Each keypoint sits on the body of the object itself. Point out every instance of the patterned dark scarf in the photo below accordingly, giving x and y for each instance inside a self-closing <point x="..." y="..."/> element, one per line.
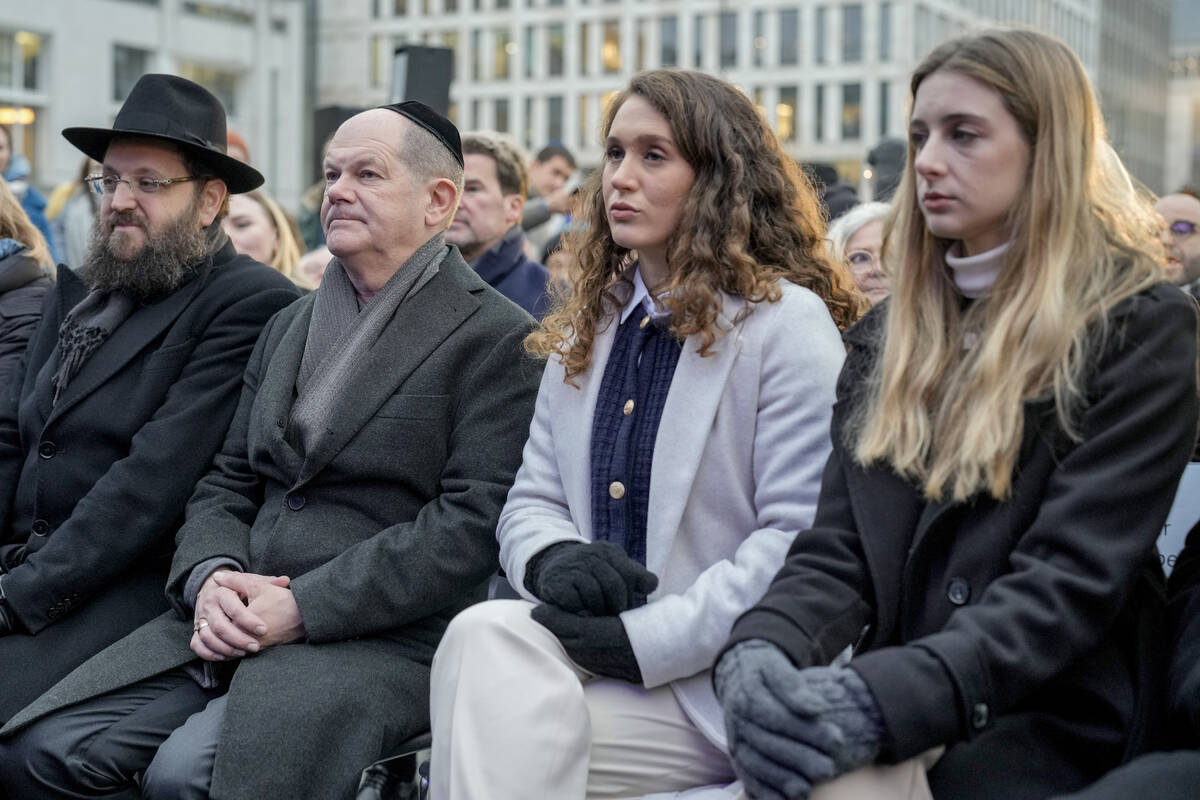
<point x="87" y="326"/>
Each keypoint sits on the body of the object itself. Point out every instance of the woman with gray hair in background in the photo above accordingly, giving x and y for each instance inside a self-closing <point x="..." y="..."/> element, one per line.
<point x="856" y="240"/>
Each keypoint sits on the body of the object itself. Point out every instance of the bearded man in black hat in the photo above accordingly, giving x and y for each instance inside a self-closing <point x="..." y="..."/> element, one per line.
<point x="129" y="384"/>
<point x="350" y="514"/>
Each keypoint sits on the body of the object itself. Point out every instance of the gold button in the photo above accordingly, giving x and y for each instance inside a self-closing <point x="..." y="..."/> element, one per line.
<point x="645" y="321"/>
<point x="628" y="407"/>
<point x="616" y="490"/>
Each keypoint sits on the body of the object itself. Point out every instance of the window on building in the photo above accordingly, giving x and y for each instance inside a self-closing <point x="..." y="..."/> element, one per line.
<point x="450" y="41"/>
<point x="610" y="51"/>
<point x="500" y="121"/>
<point x="502" y="4"/>
<point x="585" y="120"/>
<point x="640" y="31"/>
<point x="554" y="118"/>
<point x="556" y="35"/>
<point x="728" y="42"/>
<point x="585" y="31"/>
<point x="531" y="132"/>
<point x="129" y="64"/>
<point x="505" y="47"/>
<point x="530" y="40"/>
<point x="221" y="82"/>
<point x="757" y="96"/>
<point x="477" y="55"/>
<point x="851" y="111"/>
<point x="885" y="31"/>
<point x="7" y="47"/>
<point x="885" y="111"/>
<point x="852" y="33"/>
<point x="819" y="113"/>
<point x="760" y="38"/>
<point x="698" y="37"/>
<point x="786" y="113"/>
<point x="821" y="26"/>
<point x="477" y="113"/>
<point x="450" y="6"/>
<point x="31" y="58"/>
<point x="668" y="41"/>
<point x="400" y="7"/>
<point x="20" y="60"/>
<point x="789" y="37"/>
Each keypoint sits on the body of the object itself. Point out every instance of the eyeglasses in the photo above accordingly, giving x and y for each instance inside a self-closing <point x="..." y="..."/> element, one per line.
<point x="862" y="259"/>
<point x="1182" y="229"/>
<point x="107" y="184"/>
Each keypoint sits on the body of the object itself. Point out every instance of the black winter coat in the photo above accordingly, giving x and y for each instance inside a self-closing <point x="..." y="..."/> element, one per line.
<point x="23" y="284"/>
<point x="1026" y="636"/>
<point x="92" y="489"/>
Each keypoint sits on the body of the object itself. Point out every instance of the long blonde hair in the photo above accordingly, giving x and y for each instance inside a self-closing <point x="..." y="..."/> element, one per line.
<point x="750" y="219"/>
<point x="950" y="417"/>
<point x="15" y="225"/>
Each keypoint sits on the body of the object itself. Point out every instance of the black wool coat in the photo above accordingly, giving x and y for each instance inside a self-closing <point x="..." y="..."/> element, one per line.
<point x="92" y="489"/>
<point x="386" y="529"/>
<point x="1026" y="635"/>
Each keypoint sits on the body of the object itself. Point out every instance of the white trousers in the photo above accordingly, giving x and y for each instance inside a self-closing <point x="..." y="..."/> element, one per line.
<point x="515" y="719"/>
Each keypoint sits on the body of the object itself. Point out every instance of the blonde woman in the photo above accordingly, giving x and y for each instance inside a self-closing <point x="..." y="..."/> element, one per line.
<point x="24" y="278"/>
<point x="259" y="228"/>
<point x="1010" y="429"/>
<point x="856" y="240"/>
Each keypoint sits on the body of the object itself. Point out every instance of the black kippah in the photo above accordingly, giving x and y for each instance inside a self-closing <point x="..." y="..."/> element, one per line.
<point x="442" y="128"/>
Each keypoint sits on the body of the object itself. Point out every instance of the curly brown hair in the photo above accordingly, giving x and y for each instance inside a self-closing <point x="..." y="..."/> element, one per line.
<point x="750" y="219"/>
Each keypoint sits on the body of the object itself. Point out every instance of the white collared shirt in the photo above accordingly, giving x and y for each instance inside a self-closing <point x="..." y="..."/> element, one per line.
<point x="642" y="295"/>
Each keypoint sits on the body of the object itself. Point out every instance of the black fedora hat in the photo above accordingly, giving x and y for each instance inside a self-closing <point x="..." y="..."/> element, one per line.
<point x="176" y="110"/>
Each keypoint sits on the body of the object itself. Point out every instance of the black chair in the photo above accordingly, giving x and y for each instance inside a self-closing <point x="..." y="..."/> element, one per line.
<point x="398" y="777"/>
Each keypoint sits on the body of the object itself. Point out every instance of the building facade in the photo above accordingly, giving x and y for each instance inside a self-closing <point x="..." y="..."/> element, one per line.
<point x="72" y="62"/>
<point x="831" y="77"/>
<point x="1183" y="99"/>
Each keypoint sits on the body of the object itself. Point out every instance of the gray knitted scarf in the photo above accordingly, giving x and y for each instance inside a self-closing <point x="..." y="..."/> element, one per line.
<point x="340" y="334"/>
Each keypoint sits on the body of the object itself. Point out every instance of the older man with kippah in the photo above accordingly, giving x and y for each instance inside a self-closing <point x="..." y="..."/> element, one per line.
<point x="349" y="515"/>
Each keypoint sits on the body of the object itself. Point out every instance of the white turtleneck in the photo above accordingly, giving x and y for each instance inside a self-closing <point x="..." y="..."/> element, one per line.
<point x="975" y="275"/>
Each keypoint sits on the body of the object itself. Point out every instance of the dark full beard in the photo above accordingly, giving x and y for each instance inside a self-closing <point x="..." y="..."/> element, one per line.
<point x="166" y="260"/>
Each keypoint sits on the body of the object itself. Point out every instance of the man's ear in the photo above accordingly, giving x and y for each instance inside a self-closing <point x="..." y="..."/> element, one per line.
<point x="212" y="197"/>
<point x="514" y="207"/>
<point x="442" y="200"/>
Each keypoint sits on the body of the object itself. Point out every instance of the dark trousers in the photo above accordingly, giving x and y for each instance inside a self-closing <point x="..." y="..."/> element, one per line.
<point x="1155" y="776"/>
<point x="97" y="747"/>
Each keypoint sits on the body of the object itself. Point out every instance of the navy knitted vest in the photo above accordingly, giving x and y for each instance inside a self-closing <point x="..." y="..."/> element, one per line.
<point x="633" y="392"/>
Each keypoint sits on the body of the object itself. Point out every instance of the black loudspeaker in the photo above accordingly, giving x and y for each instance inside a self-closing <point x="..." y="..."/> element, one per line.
<point x="423" y="73"/>
<point x="325" y="121"/>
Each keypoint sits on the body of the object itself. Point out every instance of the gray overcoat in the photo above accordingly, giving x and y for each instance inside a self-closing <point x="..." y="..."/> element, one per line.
<point x="387" y="529"/>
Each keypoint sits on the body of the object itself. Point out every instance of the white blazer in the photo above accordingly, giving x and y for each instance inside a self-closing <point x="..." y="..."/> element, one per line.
<point x="741" y="446"/>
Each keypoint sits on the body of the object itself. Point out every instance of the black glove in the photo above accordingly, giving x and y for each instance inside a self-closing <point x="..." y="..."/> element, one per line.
<point x="598" y="644"/>
<point x="790" y="729"/>
<point x="597" y="578"/>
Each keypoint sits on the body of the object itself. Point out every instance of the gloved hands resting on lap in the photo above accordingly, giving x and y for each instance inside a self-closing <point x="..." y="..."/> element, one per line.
<point x="598" y="644"/>
<point x="790" y="729"/>
<point x="596" y="578"/>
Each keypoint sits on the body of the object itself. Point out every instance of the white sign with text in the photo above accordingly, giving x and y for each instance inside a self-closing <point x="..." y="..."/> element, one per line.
<point x="1183" y="516"/>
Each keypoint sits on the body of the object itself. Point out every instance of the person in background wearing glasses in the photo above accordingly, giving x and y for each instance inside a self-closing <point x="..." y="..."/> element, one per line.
<point x="856" y="240"/>
<point x="1182" y="214"/>
<point x="128" y="385"/>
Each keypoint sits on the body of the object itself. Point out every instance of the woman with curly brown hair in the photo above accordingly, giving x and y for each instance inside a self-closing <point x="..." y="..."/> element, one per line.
<point x="676" y="449"/>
